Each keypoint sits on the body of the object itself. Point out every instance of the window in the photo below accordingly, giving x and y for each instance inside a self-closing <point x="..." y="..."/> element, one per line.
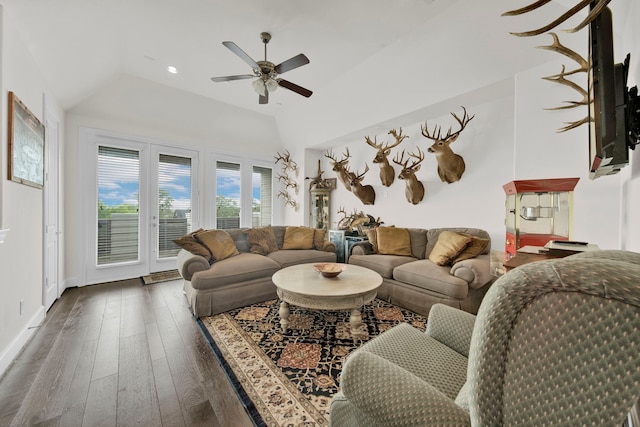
<point x="227" y="195"/>
<point x="262" y="194"/>
<point x="118" y="205"/>
<point x="174" y="202"/>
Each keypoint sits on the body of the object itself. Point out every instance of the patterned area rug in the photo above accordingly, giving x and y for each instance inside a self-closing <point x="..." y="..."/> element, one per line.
<point x="163" y="276"/>
<point x="288" y="379"/>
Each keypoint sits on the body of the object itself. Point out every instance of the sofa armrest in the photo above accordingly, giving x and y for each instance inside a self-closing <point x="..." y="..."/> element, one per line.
<point x="189" y="263"/>
<point x="475" y="271"/>
<point x="361" y="248"/>
<point x="390" y="395"/>
<point x="328" y="247"/>
<point x="452" y="327"/>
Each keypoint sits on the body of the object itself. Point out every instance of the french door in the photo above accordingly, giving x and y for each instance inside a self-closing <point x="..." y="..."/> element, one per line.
<point x="140" y="198"/>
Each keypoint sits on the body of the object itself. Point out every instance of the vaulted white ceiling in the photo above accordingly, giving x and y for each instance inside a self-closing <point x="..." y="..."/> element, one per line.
<point x="358" y="48"/>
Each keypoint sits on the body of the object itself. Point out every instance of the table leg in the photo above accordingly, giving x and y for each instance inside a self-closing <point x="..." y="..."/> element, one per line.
<point x="284" y="316"/>
<point x="355" y="320"/>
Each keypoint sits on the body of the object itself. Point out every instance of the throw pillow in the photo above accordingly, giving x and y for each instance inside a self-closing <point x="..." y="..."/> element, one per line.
<point x="298" y="238"/>
<point x="219" y="243"/>
<point x="189" y="243"/>
<point x="393" y="241"/>
<point x="372" y="235"/>
<point x="476" y="246"/>
<point x="448" y="247"/>
<point x="262" y="241"/>
<point x="319" y="238"/>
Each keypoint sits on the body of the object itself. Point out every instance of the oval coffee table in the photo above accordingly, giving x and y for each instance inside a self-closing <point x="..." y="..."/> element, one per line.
<point x="301" y="285"/>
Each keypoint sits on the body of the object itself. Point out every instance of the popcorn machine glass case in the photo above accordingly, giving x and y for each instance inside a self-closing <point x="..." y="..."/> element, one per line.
<point x="537" y="211"/>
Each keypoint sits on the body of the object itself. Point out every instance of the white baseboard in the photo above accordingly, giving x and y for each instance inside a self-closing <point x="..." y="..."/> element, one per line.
<point x="10" y="353"/>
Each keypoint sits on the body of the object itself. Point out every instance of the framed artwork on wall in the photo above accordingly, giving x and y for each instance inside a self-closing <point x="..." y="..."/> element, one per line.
<point x="26" y="145"/>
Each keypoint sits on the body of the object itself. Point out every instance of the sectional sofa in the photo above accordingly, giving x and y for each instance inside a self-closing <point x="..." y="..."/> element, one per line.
<point x="421" y="267"/>
<point x="225" y="269"/>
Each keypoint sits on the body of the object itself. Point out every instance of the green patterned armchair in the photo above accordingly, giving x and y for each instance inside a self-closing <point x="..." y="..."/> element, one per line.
<point x="554" y="343"/>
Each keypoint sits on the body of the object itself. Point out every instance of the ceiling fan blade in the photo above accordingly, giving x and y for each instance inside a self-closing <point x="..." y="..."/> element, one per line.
<point x="264" y="99"/>
<point x="294" y="87"/>
<point x="230" y="78"/>
<point x="291" y="63"/>
<point x="241" y="53"/>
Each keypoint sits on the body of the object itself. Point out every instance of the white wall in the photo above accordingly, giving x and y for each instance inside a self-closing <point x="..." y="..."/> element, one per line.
<point x="21" y="266"/>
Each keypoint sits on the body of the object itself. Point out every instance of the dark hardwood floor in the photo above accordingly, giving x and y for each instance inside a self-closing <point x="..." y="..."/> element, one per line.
<point x="119" y="354"/>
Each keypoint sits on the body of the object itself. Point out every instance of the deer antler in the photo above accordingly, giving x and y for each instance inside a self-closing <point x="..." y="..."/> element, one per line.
<point x="595" y="11"/>
<point x="404" y="163"/>
<point x="571" y="54"/>
<point x="449" y="137"/>
<point x="373" y="143"/>
<point x="398" y="136"/>
<point x="358" y="177"/>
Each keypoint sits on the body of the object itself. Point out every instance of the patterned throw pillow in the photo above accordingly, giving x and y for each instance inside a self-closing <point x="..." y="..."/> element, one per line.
<point x="189" y="243"/>
<point x="394" y="241"/>
<point x="219" y="243"/>
<point x="476" y="246"/>
<point x="448" y="247"/>
<point x="298" y="238"/>
<point x="262" y="241"/>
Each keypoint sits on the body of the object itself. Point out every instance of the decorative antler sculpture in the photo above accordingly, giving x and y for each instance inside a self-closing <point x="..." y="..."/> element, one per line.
<point x="387" y="173"/>
<point x="598" y="6"/>
<point x="414" y="190"/>
<point x="556" y="46"/>
<point x="450" y="165"/>
<point x="287" y="162"/>
<point x="288" y="182"/>
<point x="340" y="167"/>
<point x="288" y="200"/>
<point x="365" y="193"/>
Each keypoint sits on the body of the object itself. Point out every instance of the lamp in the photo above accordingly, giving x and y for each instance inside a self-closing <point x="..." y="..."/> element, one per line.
<point x="264" y="85"/>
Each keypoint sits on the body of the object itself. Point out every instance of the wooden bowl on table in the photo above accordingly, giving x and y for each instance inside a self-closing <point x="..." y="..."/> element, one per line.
<point x="329" y="269"/>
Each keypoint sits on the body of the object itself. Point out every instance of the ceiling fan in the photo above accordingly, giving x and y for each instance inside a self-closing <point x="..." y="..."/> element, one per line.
<point x="266" y="73"/>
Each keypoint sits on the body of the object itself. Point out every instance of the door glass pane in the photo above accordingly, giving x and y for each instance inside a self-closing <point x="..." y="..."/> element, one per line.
<point x="174" y="202"/>
<point x="227" y="195"/>
<point x="262" y="197"/>
<point x="118" y="202"/>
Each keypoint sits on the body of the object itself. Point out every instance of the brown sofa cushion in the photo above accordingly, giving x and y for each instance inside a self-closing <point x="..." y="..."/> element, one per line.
<point x="188" y="242"/>
<point x="319" y="238"/>
<point x="476" y="246"/>
<point x="298" y="238"/>
<point x="450" y="244"/>
<point x="219" y="243"/>
<point x="262" y="241"/>
<point x="394" y="241"/>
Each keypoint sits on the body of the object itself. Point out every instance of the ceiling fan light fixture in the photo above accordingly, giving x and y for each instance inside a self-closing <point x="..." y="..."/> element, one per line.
<point x="259" y="87"/>
<point x="271" y="85"/>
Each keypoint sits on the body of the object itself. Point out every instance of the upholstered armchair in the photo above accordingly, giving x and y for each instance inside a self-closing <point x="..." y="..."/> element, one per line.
<point x="554" y="343"/>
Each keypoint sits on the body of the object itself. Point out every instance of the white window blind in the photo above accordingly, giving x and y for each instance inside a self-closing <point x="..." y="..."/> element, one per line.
<point x="174" y="202"/>
<point x="227" y="195"/>
<point x="118" y="204"/>
<point x="262" y="208"/>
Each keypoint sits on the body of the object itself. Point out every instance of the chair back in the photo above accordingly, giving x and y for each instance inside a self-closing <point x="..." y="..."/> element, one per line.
<point x="558" y="343"/>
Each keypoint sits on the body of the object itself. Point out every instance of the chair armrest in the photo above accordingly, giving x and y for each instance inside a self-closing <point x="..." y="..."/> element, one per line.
<point x="391" y="395"/>
<point x="475" y="271"/>
<point x="361" y="248"/>
<point x="452" y="327"/>
<point x="188" y="264"/>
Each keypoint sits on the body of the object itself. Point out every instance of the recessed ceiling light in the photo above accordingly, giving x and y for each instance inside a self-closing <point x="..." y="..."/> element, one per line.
<point x="172" y="69"/>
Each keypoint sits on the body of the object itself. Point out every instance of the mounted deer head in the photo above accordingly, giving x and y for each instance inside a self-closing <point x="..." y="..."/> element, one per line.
<point x="365" y="193"/>
<point x="387" y="173"/>
<point x="414" y="190"/>
<point x="450" y="165"/>
<point x="340" y="167"/>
